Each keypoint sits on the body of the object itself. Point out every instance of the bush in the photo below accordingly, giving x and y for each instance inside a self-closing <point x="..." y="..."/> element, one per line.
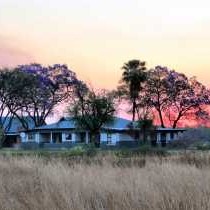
<point x="148" y="150"/>
<point x="90" y="150"/>
<point x="203" y="146"/>
<point x="142" y="150"/>
<point x="193" y="137"/>
<point x="196" y="134"/>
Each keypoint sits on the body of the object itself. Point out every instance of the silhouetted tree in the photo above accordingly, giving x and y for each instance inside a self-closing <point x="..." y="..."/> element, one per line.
<point x="174" y="96"/>
<point x="14" y="90"/>
<point x="92" y="111"/>
<point x="188" y="98"/>
<point x="134" y="74"/>
<point x="52" y="85"/>
<point x="156" y="95"/>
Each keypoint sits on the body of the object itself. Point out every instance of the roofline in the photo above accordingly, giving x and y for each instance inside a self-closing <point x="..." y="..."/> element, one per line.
<point x="12" y="134"/>
<point x="171" y="129"/>
<point x="104" y="128"/>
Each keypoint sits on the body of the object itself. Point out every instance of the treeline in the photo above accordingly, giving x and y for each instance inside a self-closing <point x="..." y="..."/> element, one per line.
<point x="35" y="91"/>
<point x="165" y="93"/>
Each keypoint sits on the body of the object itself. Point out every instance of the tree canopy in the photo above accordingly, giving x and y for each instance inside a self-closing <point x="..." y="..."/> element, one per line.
<point x="92" y="111"/>
<point x="131" y="82"/>
<point x="172" y="96"/>
<point x="34" y="91"/>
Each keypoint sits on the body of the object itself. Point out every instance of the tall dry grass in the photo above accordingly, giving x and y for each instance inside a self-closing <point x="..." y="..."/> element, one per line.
<point x="148" y="183"/>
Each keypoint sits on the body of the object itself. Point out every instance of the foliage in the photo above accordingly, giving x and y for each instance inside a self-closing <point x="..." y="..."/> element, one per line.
<point x="146" y="128"/>
<point x="133" y="76"/>
<point x="203" y="146"/>
<point x="196" y="134"/>
<point x="192" y="138"/>
<point x="174" y="96"/>
<point x="92" y="111"/>
<point x="38" y="90"/>
<point x="187" y="98"/>
<point x="144" y="149"/>
<point x="155" y="92"/>
<point x="14" y="91"/>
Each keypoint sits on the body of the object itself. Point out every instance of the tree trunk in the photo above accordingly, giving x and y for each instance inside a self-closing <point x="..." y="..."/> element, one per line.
<point x="161" y="118"/>
<point x="134" y="110"/>
<point x="144" y="135"/>
<point x="177" y="120"/>
<point x="95" y="138"/>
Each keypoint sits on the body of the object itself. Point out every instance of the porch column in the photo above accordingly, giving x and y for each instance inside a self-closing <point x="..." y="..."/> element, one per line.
<point x="23" y="137"/>
<point x="73" y="137"/>
<point x="158" y="137"/>
<point x="63" y="137"/>
<point x="86" y="137"/>
<point x="26" y="139"/>
<point x="168" y="137"/>
<point x="37" y="139"/>
<point x="51" y="139"/>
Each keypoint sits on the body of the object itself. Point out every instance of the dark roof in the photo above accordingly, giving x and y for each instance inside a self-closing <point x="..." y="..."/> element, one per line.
<point x="68" y="123"/>
<point x="61" y="124"/>
<point x="171" y="129"/>
<point x="117" y="124"/>
<point x="16" y="125"/>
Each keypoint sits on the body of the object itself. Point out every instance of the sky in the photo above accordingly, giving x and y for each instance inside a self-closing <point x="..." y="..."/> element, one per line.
<point x="96" y="37"/>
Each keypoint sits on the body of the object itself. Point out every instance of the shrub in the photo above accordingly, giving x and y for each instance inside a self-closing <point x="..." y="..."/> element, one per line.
<point x="75" y="151"/>
<point x="90" y="150"/>
<point x="191" y="138"/>
<point x="196" y="134"/>
<point x="203" y="146"/>
<point x="145" y="149"/>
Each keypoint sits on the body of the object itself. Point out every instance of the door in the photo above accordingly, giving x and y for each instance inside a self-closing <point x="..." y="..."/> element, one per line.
<point x="57" y="137"/>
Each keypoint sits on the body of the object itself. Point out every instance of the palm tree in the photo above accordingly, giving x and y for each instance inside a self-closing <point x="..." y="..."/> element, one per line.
<point x="133" y="76"/>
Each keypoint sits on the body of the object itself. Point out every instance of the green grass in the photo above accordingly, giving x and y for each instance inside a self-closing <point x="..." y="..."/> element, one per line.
<point x="91" y="151"/>
<point x="61" y="153"/>
<point x="87" y="151"/>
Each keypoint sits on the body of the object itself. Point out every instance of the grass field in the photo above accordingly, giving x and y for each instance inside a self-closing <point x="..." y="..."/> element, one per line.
<point x="107" y="181"/>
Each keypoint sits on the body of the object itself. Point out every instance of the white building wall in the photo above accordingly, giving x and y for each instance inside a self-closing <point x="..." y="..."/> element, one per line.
<point x="103" y="137"/>
<point x="114" y="138"/>
<point x="117" y="135"/>
<point x="87" y="137"/>
<point x="125" y="137"/>
<point x="63" y="135"/>
<point x="37" y="139"/>
<point x="23" y="137"/>
<point x="158" y="137"/>
<point x="74" y="137"/>
<point x="168" y="137"/>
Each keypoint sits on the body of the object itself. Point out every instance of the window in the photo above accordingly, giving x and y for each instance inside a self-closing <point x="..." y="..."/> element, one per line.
<point x="68" y="137"/>
<point x="163" y="136"/>
<point x="31" y="137"/>
<point x="109" y="138"/>
<point x="171" y="136"/>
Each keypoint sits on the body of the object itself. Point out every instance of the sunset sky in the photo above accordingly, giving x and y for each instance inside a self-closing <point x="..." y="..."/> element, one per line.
<point x="95" y="37"/>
